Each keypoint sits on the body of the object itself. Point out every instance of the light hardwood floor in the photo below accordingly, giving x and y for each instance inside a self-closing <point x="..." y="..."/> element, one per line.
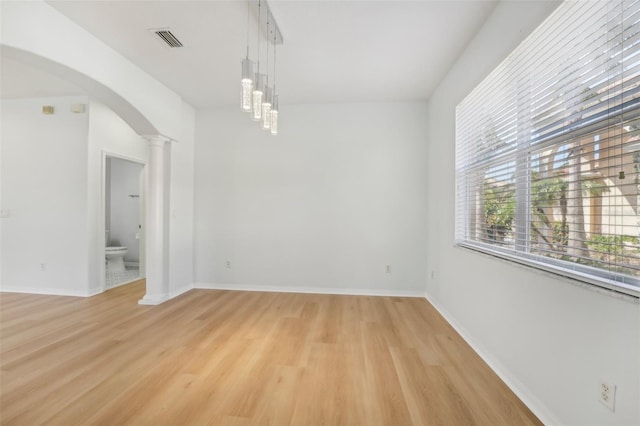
<point x="241" y="358"/>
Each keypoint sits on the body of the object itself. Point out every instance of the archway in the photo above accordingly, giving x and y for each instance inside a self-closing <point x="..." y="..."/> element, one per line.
<point x="157" y="186"/>
<point x="132" y="116"/>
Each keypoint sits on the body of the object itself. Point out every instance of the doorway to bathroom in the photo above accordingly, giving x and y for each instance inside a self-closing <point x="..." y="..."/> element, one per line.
<point x="124" y="220"/>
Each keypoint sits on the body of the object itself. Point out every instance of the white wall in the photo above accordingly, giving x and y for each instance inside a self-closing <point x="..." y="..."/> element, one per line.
<point x="181" y="208"/>
<point x="52" y="170"/>
<point x="44" y="169"/>
<point x="324" y="206"/>
<point x="124" y="209"/>
<point x="551" y="340"/>
<point x="52" y="186"/>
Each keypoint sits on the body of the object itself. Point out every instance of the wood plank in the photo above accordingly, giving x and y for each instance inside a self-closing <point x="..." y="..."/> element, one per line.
<point x="241" y="358"/>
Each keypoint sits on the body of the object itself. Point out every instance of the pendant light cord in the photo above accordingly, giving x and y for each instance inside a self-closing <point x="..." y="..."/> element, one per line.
<point x="267" y="40"/>
<point x="259" y="25"/>
<point x="248" y="21"/>
<point x="274" y="62"/>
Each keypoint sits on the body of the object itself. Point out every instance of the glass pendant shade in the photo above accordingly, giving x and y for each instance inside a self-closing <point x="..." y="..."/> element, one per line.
<point x="266" y="108"/>
<point x="266" y="116"/>
<point x="273" y="116"/>
<point x="257" y="98"/>
<point x="274" y="122"/>
<point x="247" y="84"/>
<point x="247" y="90"/>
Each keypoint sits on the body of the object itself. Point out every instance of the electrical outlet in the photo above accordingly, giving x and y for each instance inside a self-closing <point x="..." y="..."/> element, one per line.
<point x="43" y="266"/>
<point x="607" y="394"/>
<point x="433" y="275"/>
<point x="388" y="269"/>
<point x="228" y="264"/>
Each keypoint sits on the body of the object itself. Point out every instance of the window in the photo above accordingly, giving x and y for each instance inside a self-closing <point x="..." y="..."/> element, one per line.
<point x="548" y="149"/>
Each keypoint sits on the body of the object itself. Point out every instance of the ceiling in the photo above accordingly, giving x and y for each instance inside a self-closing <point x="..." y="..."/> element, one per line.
<point x="333" y="51"/>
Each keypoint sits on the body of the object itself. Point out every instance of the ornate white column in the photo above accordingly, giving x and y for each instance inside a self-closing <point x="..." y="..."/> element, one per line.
<point x="156" y="216"/>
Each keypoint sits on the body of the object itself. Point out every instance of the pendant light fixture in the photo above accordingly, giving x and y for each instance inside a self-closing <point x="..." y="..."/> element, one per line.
<point x="258" y="98"/>
<point x="247" y="75"/>
<point x="258" y="91"/>
<point x="266" y="108"/>
<point x="247" y="84"/>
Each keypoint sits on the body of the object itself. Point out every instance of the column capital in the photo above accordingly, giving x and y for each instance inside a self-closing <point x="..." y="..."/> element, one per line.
<point x="157" y="139"/>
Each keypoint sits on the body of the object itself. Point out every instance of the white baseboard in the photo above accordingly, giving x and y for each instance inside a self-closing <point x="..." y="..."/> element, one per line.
<point x="154" y="299"/>
<point x="521" y="391"/>
<point x="219" y="286"/>
<point x="95" y="290"/>
<point x="47" y="291"/>
<point x="179" y="291"/>
<point x="310" y="290"/>
<point x="157" y="300"/>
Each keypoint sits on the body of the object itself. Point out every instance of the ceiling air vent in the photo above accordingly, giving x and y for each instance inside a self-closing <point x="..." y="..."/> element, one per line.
<point x="168" y="38"/>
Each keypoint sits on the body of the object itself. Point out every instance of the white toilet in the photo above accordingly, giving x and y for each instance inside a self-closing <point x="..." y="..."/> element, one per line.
<point x="115" y="258"/>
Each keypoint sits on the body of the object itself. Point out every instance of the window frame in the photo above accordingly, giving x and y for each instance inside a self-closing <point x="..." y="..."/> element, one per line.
<point x="522" y="152"/>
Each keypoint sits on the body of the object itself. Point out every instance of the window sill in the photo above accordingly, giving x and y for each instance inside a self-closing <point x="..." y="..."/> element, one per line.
<point x="603" y="286"/>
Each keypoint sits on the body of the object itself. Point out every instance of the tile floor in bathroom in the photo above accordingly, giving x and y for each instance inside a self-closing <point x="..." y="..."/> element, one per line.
<point x="114" y="279"/>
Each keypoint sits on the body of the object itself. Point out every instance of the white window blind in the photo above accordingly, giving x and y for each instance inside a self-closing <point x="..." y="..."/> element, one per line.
<point x="548" y="149"/>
